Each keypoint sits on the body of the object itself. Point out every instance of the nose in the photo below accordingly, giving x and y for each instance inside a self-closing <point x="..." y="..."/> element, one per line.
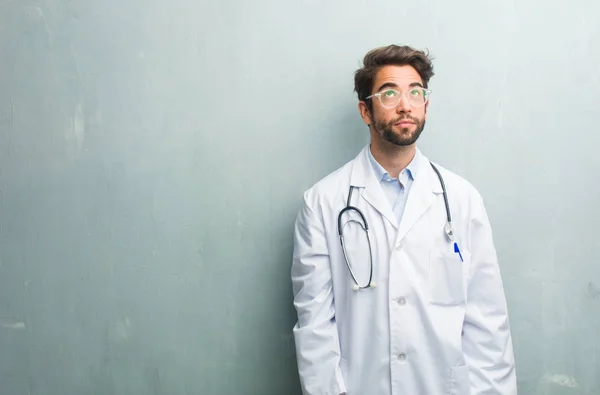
<point x="403" y="106"/>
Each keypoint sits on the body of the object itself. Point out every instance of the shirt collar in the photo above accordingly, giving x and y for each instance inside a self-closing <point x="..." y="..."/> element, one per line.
<point x="382" y="174"/>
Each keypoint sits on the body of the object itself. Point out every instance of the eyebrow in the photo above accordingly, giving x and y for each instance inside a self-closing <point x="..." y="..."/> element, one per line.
<point x="395" y="86"/>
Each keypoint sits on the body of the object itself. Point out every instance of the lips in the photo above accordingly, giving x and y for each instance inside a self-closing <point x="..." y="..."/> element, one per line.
<point x="404" y="122"/>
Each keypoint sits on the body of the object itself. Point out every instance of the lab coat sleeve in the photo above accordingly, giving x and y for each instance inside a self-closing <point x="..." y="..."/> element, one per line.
<point x="315" y="334"/>
<point x="487" y="341"/>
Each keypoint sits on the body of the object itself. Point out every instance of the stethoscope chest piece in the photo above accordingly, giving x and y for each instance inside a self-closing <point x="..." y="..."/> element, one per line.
<point x="449" y="232"/>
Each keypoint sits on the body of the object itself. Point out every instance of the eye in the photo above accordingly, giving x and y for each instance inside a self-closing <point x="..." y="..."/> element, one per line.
<point x="416" y="92"/>
<point x="390" y="93"/>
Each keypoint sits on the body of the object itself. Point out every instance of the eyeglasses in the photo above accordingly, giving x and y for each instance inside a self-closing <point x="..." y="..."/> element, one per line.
<point x="390" y="98"/>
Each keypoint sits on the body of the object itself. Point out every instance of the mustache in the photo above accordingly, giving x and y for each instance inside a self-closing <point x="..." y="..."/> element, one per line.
<point x="406" y="117"/>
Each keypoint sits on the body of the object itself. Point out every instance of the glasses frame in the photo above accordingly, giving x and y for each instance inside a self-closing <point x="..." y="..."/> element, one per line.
<point x="402" y="95"/>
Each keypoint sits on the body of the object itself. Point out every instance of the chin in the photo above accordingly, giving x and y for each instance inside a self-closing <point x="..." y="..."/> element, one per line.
<point x="402" y="143"/>
<point x="404" y="137"/>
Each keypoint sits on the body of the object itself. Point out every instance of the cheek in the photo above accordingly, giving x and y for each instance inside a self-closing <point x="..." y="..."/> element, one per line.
<point x="384" y="116"/>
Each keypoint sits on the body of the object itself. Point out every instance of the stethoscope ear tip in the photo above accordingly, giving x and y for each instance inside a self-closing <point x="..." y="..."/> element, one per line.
<point x="355" y="287"/>
<point x="372" y="285"/>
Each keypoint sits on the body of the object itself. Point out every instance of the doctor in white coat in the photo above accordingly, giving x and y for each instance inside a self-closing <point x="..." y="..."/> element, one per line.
<point x="406" y="302"/>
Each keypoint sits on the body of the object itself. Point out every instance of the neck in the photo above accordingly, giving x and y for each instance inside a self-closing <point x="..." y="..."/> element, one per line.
<point x="391" y="157"/>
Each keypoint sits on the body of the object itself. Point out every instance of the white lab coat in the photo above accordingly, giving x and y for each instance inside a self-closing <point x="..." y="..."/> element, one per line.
<point x="433" y="325"/>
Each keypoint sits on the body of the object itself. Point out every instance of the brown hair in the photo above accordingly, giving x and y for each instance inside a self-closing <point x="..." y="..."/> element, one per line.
<point x="390" y="55"/>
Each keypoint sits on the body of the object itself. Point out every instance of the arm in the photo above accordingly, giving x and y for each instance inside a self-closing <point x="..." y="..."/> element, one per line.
<point x="316" y="336"/>
<point x="487" y="341"/>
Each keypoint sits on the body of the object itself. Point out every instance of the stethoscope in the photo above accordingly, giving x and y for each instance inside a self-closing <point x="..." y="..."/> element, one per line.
<point x="448" y="230"/>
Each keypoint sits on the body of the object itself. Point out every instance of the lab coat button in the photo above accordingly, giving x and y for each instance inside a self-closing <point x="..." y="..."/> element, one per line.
<point x="401" y="301"/>
<point x="402" y="357"/>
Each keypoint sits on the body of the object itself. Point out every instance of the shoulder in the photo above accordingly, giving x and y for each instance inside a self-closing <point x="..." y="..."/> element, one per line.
<point x="458" y="186"/>
<point x="329" y="187"/>
<point x="331" y="191"/>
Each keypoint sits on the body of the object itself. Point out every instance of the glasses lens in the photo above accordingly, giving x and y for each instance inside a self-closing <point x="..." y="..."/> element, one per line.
<point x="390" y="98"/>
<point x="417" y="96"/>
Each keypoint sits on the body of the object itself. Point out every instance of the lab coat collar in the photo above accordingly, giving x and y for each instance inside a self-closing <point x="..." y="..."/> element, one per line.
<point x="422" y="194"/>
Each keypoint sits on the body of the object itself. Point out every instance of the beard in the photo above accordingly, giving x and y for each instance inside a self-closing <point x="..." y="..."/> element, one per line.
<point x="404" y="137"/>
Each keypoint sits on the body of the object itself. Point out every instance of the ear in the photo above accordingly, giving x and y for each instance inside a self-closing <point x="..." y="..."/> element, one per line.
<point x="426" y="106"/>
<point x="363" y="109"/>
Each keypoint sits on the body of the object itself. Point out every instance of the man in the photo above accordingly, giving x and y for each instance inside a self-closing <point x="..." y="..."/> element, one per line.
<point x="409" y="300"/>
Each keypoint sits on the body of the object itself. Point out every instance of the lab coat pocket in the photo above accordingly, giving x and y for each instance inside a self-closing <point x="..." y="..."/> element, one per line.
<point x="459" y="381"/>
<point x="447" y="279"/>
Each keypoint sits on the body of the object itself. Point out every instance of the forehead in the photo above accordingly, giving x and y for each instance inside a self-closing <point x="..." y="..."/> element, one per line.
<point x="401" y="76"/>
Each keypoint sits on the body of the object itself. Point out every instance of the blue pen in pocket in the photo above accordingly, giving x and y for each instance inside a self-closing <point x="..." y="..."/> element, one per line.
<point x="457" y="250"/>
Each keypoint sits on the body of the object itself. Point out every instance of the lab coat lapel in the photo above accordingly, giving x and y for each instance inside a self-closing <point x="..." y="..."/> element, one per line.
<point x="421" y="197"/>
<point x="364" y="177"/>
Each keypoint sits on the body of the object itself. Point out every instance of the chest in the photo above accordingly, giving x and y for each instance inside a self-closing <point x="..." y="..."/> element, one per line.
<point x="406" y="258"/>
